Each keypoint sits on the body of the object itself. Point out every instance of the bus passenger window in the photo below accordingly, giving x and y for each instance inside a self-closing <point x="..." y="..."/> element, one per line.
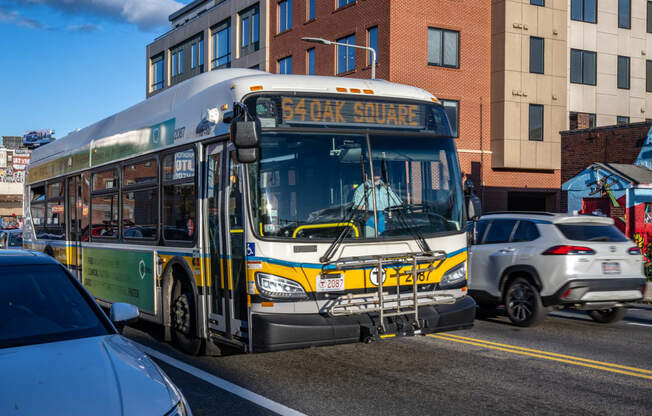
<point x="140" y="200"/>
<point x="37" y="209"/>
<point x="104" y="204"/>
<point x="55" y="223"/>
<point x="179" y="196"/>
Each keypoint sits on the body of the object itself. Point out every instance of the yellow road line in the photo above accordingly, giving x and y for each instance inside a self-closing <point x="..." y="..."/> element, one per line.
<point x="570" y="357"/>
<point x="529" y="354"/>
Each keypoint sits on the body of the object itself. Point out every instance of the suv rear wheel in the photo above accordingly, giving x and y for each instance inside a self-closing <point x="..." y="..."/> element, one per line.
<point x="608" y="316"/>
<point x="523" y="303"/>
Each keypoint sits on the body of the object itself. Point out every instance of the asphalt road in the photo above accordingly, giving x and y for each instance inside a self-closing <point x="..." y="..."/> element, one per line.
<point x="567" y="365"/>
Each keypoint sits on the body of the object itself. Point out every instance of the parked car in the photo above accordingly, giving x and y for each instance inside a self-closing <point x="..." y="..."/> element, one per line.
<point x="11" y="239"/>
<point x="530" y="262"/>
<point x="61" y="355"/>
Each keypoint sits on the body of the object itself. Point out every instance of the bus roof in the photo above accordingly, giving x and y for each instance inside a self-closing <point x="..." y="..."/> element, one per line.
<point x="174" y="116"/>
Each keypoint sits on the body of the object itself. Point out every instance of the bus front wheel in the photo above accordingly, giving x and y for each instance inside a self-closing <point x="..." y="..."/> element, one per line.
<point x="184" y="319"/>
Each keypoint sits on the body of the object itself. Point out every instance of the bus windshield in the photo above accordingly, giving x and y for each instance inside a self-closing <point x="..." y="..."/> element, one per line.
<point x="311" y="185"/>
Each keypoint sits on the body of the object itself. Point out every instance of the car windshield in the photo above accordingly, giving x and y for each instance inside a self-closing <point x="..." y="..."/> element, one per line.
<point x="40" y="304"/>
<point x="592" y="232"/>
<point x="312" y="185"/>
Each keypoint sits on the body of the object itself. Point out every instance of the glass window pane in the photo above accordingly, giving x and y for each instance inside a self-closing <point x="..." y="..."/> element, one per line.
<point x="500" y="231"/>
<point x="648" y="76"/>
<point x="590" y="11"/>
<point x="623" y="72"/>
<point x="105" y="180"/>
<point x="577" y="9"/>
<point x="256" y="27"/>
<point x="55" y="221"/>
<point x="588" y="67"/>
<point x="193" y="52"/>
<point x="373" y="43"/>
<point x="180" y="62"/>
<point x="538" y="2"/>
<point x="104" y="215"/>
<point x="37" y="193"/>
<point x="245" y="32"/>
<point x="624" y="18"/>
<point x="38" y="217"/>
<point x="311" y="61"/>
<point x="536" y="122"/>
<point x="55" y="190"/>
<point x="649" y="17"/>
<point x="576" y="66"/>
<point x="179" y="221"/>
<point x="175" y="68"/>
<point x="201" y="52"/>
<point x="311" y="9"/>
<point x="434" y="46"/>
<point x="140" y="173"/>
<point x="350" y="58"/>
<point x="536" y="55"/>
<point x="179" y="165"/>
<point x="451" y="41"/>
<point x="526" y="231"/>
<point x="452" y="112"/>
<point x="140" y="214"/>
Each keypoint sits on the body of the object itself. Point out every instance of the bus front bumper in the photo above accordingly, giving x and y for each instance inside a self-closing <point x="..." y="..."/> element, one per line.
<point x="274" y="332"/>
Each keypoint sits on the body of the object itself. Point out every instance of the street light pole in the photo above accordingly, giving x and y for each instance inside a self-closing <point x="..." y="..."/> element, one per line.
<point x="330" y="42"/>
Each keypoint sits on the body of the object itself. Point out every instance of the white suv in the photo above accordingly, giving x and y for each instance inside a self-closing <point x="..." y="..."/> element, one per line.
<point x="530" y="262"/>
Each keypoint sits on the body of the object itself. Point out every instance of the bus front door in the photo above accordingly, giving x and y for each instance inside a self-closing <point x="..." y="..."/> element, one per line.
<point x="219" y="304"/>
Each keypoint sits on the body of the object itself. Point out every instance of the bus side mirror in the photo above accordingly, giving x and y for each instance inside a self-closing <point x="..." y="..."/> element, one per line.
<point x="245" y="136"/>
<point x="473" y="204"/>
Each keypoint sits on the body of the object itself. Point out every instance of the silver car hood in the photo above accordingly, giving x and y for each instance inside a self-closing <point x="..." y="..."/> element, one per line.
<point x="104" y="375"/>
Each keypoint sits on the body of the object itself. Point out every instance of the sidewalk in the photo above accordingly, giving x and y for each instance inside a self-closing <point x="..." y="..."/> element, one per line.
<point x="648" y="293"/>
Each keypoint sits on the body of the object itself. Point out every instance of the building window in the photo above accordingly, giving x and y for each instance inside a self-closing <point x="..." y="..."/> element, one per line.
<point x="222" y="45"/>
<point x="250" y="30"/>
<point x="193" y="56"/>
<point x="177" y="63"/>
<point x="584" y="11"/>
<point x="372" y="42"/>
<point x="346" y="55"/>
<point x="541" y="3"/>
<point x="311" y="61"/>
<point x="582" y="67"/>
<point x="620" y="120"/>
<point x="452" y="109"/>
<point x="648" y="76"/>
<point x="285" y="65"/>
<point x="536" y="55"/>
<point x="342" y="3"/>
<point x="623" y="72"/>
<point x="649" y="17"/>
<point x="284" y="15"/>
<point x="625" y="14"/>
<point x="180" y="58"/>
<point x="535" y="131"/>
<point x="443" y="47"/>
<point x="157" y="73"/>
<point x="311" y="9"/>
<point x="581" y="120"/>
<point x="201" y="53"/>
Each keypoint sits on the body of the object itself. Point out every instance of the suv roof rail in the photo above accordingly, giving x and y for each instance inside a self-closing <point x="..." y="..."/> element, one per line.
<point x="550" y="214"/>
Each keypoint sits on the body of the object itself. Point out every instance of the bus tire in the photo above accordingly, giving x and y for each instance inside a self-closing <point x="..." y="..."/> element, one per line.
<point x="183" y="317"/>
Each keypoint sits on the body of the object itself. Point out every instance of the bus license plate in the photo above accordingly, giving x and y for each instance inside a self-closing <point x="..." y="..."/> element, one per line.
<point x="611" y="268"/>
<point x="330" y="283"/>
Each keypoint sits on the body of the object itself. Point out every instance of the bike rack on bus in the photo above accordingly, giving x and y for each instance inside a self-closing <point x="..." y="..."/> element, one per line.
<point x="382" y="302"/>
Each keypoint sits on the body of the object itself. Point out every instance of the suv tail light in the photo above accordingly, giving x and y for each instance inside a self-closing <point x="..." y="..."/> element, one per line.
<point x="634" y="251"/>
<point x="566" y="250"/>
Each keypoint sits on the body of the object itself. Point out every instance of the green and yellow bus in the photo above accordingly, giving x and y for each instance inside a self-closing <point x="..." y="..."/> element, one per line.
<point x="263" y="211"/>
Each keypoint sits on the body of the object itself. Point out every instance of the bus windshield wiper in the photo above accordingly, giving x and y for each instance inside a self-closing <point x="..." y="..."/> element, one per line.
<point x="405" y="220"/>
<point x="354" y="208"/>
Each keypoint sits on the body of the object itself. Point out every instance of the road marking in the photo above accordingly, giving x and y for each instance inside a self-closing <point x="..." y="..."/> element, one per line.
<point x="636" y="323"/>
<point x="221" y="383"/>
<point x="583" y="362"/>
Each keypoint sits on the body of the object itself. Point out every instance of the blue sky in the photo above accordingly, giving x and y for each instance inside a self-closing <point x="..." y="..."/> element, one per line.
<point x="66" y="64"/>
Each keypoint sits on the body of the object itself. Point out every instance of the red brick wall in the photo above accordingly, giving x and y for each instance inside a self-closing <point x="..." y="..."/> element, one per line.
<point x="613" y="144"/>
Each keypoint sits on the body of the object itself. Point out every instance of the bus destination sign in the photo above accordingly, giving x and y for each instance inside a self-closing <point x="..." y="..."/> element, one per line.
<point x="333" y="111"/>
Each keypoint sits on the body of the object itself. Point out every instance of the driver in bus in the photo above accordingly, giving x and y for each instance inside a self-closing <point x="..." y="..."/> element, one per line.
<point x="385" y="198"/>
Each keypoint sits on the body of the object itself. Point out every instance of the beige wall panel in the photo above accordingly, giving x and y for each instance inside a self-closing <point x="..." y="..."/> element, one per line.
<point x="528" y="153"/>
<point x="513" y="52"/>
<point x="608" y="42"/>
<point x="513" y="15"/>
<point x="605" y="120"/>
<point x="544" y="21"/>
<point x="525" y="121"/>
<point x="558" y="4"/>
<point x="498" y="52"/>
<point x="530" y="87"/>
<point x="525" y="53"/>
<point x="498" y="17"/>
<point x="576" y="35"/>
<point x="544" y="89"/>
<point x="609" y="104"/>
<point x="560" y="55"/>
<point x="607" y="22"/>
<point x="588" y="98"/>
<point x="607" y="64"/>
<point x="544" y="155"/>
<point x="513" y="153"/>
<point x="624" y="42"/>
<point x="555" y="155"/>
<point x="513" y="82"/>
<point x="607" y="83"/>
<point x="498" y="121"/>
<point x="635" y="106"/>
<point x="497" y="153"/>
<point x="560" y="90"/>
<point x="560" y="24"/>
<point x="498" y="86"/>
<point x="513" y="122"/>
<point x="547" y="123"/>
<point x="636" y="46"/>
<point x="559" y="122"/>
<point x="590" y="37"/>
<point x="638" y="24"/>
<point x="530" y="18"/>
<point x="620" y="105"/>
<point x="608" y="6"/>
<point x="637" y="88"/>
<point x="648" y="105"/>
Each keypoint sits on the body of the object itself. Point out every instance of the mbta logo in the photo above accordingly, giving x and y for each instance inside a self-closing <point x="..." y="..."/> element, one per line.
<point x="373" y="276"/>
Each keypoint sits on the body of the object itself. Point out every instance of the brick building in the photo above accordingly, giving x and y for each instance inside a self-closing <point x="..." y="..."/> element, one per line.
<point x="442" y="46"/>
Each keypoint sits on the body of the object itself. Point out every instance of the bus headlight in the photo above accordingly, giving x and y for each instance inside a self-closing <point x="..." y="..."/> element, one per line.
<point x="273" y="286"/>
<point x="454" y="278"/>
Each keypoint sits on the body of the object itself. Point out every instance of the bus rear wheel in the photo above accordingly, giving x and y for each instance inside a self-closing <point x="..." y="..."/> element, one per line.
<point x="184" y="319"/>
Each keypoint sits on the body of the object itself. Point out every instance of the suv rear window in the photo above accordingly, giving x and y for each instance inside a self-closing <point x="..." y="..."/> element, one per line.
<point x="591" y="232"/>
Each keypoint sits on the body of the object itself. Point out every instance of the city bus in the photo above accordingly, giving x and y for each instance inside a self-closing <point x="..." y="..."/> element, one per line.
<point x="263" y="212"/>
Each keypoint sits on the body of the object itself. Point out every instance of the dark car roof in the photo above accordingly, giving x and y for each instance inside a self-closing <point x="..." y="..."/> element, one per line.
<point x="24" y="258"/>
